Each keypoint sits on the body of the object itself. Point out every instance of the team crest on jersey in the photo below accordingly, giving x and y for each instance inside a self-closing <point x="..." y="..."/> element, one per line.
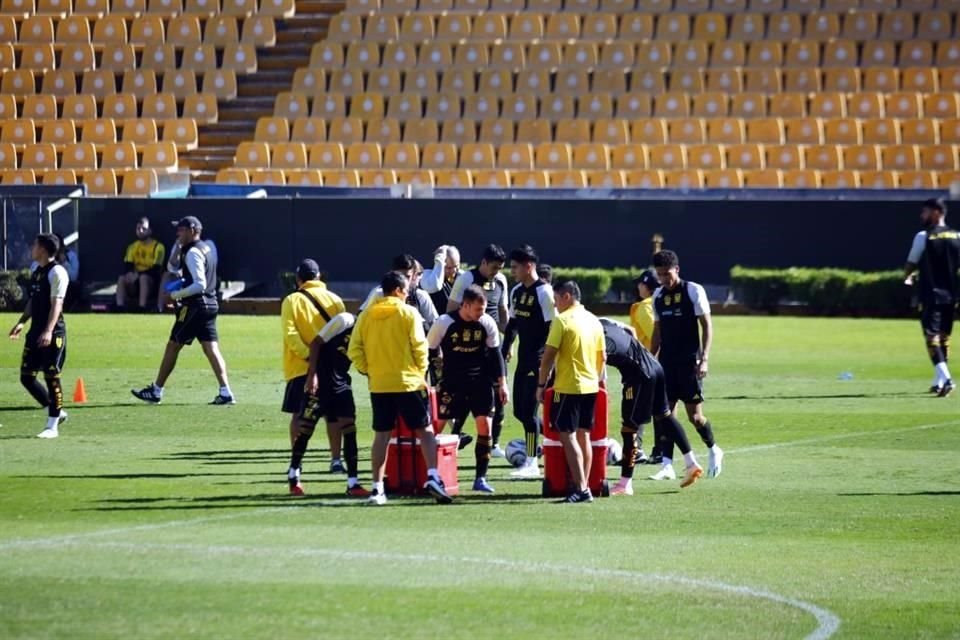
<point x="676" y="298"/>
<point x="666" y="301"/>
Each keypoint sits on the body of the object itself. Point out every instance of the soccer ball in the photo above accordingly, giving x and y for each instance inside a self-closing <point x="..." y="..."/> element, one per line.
<point x="516" y="452"/>
<point x="614" y="451"/>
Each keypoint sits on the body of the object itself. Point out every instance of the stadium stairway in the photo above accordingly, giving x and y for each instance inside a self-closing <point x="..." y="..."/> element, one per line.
<point x="256" y="92"/>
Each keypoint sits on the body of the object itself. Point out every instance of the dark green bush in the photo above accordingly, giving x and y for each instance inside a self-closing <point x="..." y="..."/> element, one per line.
<point x="594" y="283"/>
<point x="12" y="285"/>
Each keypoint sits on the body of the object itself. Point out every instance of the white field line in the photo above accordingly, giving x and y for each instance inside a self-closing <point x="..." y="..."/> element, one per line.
<point x="840" y="436"/>
<point x="827" y="621"/>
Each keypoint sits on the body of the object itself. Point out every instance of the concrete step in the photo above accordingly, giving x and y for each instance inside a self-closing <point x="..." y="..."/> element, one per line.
<point x="285" y="63"/>
<point x="258" y="89"/>
<point x="320" y="6"/>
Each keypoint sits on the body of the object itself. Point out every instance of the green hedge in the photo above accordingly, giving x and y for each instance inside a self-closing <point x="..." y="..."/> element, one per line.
<point x="822" y="290"/>
<point x="13" y="285"/>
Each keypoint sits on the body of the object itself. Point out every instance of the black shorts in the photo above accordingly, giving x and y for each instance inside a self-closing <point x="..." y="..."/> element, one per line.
<point x="937" y="319"/>
<point x="49" y="360"/>
<point x="644" y="399"/>
<point x="456" y="400"/>
<point x="333" y="406"/>
<point x="569" y="412"/>
<point x="294" y="395"/>
<point x="194" y="323"/>
<point x="413" y="406"/>
<point x="682" y="382"/>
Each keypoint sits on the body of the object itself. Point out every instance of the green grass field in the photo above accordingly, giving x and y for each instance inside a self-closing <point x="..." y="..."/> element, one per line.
<point x="837" y="513"/>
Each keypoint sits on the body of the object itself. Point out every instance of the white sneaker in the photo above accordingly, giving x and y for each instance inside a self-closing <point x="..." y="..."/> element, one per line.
<point x="49" y="433"/>
<point x="530" y="469"/>
<point x="666" y="473"/>
<point x="377" y="499"/>
<point x="622" y="488"/>
<point x="715" y="462"/>
<point x="497" y="452"/>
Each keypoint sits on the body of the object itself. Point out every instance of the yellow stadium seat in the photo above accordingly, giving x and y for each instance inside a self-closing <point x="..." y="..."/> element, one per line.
<point x="900" y="157"/>
<point x="557" y="107"/>
<point x="792" y="105"/>
<point x="860" y="25"/>
<point x="825" y="27"/>
<point x="763" y="179"/>
<point x="940" y="157"/>
<point x="481" y="106"/>
<point x="221" y="83"/>
<point x="199" y="58"/>
<point x="443" y="106"/>
<point x="309" y="130"/>
<point x="747" y="27"/>
<point x="880" y="131"/>
<point x="453" y="27"/>
<point x="611" y="131"/>
<point x="439" y="155"/>
<point x="164" y="7"/>
<point x="491" y="178"/>
<point x="139" y="182"/>
<point x="653" y="55"/>
<point x="309" y="81"/>
<point x="934" y="25"/>
<point x="727" y="55"/>
<point x="711" y="27"/>
<point x="103" y="132"/>
<point x="60" y="177"/>
<point x="840" y="131"/>
<point x="139" y="132"/>
<point x="57" y="8"/>
<point x="942" y="105"/>
<point x="878" y="54"/>
<point x="595" y="106"/>
<point x="416" y="177"/>
<point x="730" y="6"/>
<point x="59" y="133"/>
<point x="181" y="132"/>
<point x="158" y="57"/>
<point x="673" y="28"/>
<point x="39" y="156"/>
<point x="471" y="55"/>
<point x="416" y="28"/>
<point x="526" y="26"/>
<point x="921" y="131"/>
<point x="288" y="155"/>
<point x="785" y="27"/>
<point x="406" y="107"/>
<point x="18" y="176"/>
<point x="259" y="30"/>
<point x="121" y="106"/>
<point x="636" y="27"/>
<point x="710" y="105"/>
<point x="240" y="8"/>
<point x="547" y="55"/>
<point x="648" y="131"/>
<point x="180" y="83"/>
<point x="573" y="131"/>
<point x="918" y="180"/>
<point x="748" y="105"/>
<point x="865" y="105"/>
<point x="786" y="156"/>
<point x="363" y="155"/>
<point x="367" y="105"/>
<point x="77" y="57"/>
<point x="529" y="179"/>
<point x="102" y="182"/>
<point x="183" y="31"/>
<point x="644" y="179"/>
<point x="159" y="106"/>
<point x="140" y="83"/>
<point x="534" y="131"/>
<point x="804" y="131"/>
<point x="240" y="57"/>
<point x="879" y="179"/>
<point x="38" y="57"/>
<point x="745" y="156"/>
<point x="515" y="155"/>
<point x="881" y="79"/>
<point x="802" y="80"/>
<point x="508" y="55"/>
<point x="347" y="81"/>
<point x="305" y="178"/>
<point x="345" y="29"/>
<point x="553" y="155"/>
<point x="801" y="179"/>
<point x="345" y="129"/>
<point x="845" y="79"/>
<point x="19" y="132"/>
<point x="477" y="156"/>
<point x="8" y="107"/>
<point x="897" y="25"/>
<point x="326" y="55"/>
<point x="762" y="80"/>
<point x="364" y="7"/>
<point x="458" y="82"/>
<point x="421" y="131"/>
<point x="326" y="155"/>
<point x="725" y="130"/>
<point x="591" y="156"/>
<point x="497" y="82"/>
<point x="950" y="78"/>
<point x="399" y="55"/>
<point x="827" y="105"/>
<point x="39" y="107"/>
<point x="381" y="28"/>
<point x="706" y="156"/>
<point x="605" y="179"/>
<point x="453" y="179"/>
<point x="919" y="53"/>
<point x="124" y="9"/>
<point x="671" y="105"/>
<point x="839" y="179"/>
<point x="617" y="55"/>
<point x="802" y="53"/>
<point x="221" y="30"/>
<point x="496" y="131"/>
<point x="75" y="107"/>
<point x="920" y="79"/>
<point x="268" y="177"/>
<point x="597" y="27"/>
<point x="330" y="105"/>
<point x="687" y="80"/>
<point x="252" y="155"/>
<point x="202" y="107"/>
<point x="401" y="155"/>
<point x="202" y="8"/>
<point x="650" y="81"/>
<point x="723" y="179"/>
<point x="686" y="130"/>
<point x="667" y="156"/>
<point x="691" y="54"/>
<point x="903" y="105"/>
<point x="683" y="179"/>
<point x="537" y="81"/>
<point x="398" y="6"/>
<point x="37" y="29"/>
<point x="74" y="29"/>
<point x="823" y="157"/>
<point x="568" y="179"/>
<point x="348" y="178"/>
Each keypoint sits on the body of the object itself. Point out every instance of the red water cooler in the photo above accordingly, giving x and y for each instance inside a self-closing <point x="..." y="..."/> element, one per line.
<point x="556" y="475"/>
<point x="406" y="470"/>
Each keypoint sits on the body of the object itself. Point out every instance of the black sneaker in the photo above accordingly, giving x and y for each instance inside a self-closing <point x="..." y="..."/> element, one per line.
<point x="336" y="466"/>
<point x="437" y="490"/>
<point x="222" y="399"/>
<point x="655" y="459"/>
<point x="579" y="496"/>
<point x="639" y="457"/>
<point x="147" y="394"/>
<point x="935" y="389"/>
<point x="465" y="440"/>
<point x="946" y="389"/>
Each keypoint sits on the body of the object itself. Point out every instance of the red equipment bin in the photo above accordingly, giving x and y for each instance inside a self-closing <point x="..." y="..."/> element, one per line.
<point x="556" y="475"/>
<point x="406" y="470"/>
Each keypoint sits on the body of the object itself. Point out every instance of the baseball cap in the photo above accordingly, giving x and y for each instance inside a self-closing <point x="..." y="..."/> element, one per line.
<point x="648" y="278"/>
<point x="308" y="270"/>
<point x="188" y="222"/>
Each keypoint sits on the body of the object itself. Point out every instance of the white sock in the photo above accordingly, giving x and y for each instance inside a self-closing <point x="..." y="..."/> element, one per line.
<point x="378" y="487"/>
<point x="943" y="371"/>
<point x="52" y="423"/>
<point x="690" y="459"/>
<point x="351" y="483"/>
<point x="667" y="462"/>
<point x="225" y="391"/>
<point x="625" y="482"/>
<point x="157" y="388"/>
<point x="432" y="472"/>
<point x="937" y="380"/>
<point x="715" y="448"/>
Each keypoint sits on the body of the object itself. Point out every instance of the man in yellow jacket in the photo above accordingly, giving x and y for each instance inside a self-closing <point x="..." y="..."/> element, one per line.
<point x="641" y="311"/>
<point x="303" y="314"/>
<point x="390" y="348"/>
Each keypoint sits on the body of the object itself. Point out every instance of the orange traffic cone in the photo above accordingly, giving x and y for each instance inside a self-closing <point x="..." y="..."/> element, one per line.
<point x="80" y="392"/>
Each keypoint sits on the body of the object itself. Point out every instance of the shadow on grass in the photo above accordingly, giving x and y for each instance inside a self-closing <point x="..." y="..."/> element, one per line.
<point x="825" y="396"/>
<point x="903" y="494"/>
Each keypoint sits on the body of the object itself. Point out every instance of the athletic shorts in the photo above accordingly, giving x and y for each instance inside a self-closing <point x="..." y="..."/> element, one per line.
<point x="413" y="406"/>
<point x="682" y="382"/>
<point x="569" y="411"/>
<point x="48" y="360"/>
<point x="644" y="399"/>
<point x="456" y="400"/>
<point x="937" y="319"/>
<point x="294" y="395"/>
<point x="194" y="323"/>
<point x="331" y="405"/>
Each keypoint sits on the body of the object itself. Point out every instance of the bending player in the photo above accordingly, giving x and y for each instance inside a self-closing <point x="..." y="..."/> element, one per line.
<point x="329" y="394"/>
<point x="644" y="396"/>
<point x="469" y="342"/>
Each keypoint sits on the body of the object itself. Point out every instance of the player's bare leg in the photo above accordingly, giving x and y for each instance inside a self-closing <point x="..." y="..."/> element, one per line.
<point x="378" y="463"/>
<point x="334" y="440"/>
<point x="168" y="363"/>
<point x="146" y="286"/>
<point x="219" y="366"/>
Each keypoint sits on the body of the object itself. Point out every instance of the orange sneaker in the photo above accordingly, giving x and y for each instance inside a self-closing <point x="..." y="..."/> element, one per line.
<point x="691" y="475"/>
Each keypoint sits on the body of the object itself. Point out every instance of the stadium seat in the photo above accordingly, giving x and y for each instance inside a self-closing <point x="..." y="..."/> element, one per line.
<point x="60" y="177"/>
<point x="103" y="132"/>
<point x="159" y="106"/>
<point x="783" y="156"/>
<point x="75" y="107"/>
<point x="941" y="157"/>
<point x="839" y="179"/>
<point x="347" y="178"/>
<point x="941" y="105"/>
<point x="725" y="130"/>
<point x="330" y="105"/>
<point x="864" y="157"/>
<point x="553" y="155"/>
<point x="39" y="157"/>
<point x="459" y="131"/>
<point x="202" y="8"/>
<point x="59" y="133"/>
<point x="326" y="155"/>
<point x="139" y="182"/>
<point x="880" y="131"/>
<point x="252" y="155"/>
<point x="310" y="82"/>
<point x="568" y="179"/>
<point x="900" y="157"/>
<point x="648" y="131"/>
<point x="526" y="179"/>
<point x="920" y="131"/>
<point x="918" y="180"/>
<point x="748" y="105"/>
<point x="745" y="156"/>
<point x="39" y="107"/>
<point x="239" y="8"/>
<point x="421" y="131"/>
<point x="202" y="107"/>
<point x="611" y="131"/>
<point x="823" y="157"/>
<point x="383" y="131"/>
<point x="801" y="179"/>
<point x="453" y="27"/>
<point x="309" y="130"/>
<point x="363" y="155"/>
<point x="644" y="179"/>
<point x="534" y="131"/>
<point x="20" y="132"/>
<point x="496" y="131"/>
<point x="491" y="178"/>
<point x="723" y="179"/>
<point x="102" y="182"/>
<point x="687" y="80"/>
<point x="477" y="156"/>
<point x="686" y="130"/>
<point x="439" y="155"/>
<point x="401" y="155"/>
<point x="288" y="155"/>
<point x="305" y="178"/>
<point x="453" y="178"/>
<point x="416" y="177"/>
<point x="139" y="132"/>
<point x="18" y="176"/>
<point x="182" y="133"/>
<point x="345" y="130"/>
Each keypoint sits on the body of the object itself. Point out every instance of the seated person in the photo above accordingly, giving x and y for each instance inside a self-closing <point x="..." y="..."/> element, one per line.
<point x="143" y="266"/>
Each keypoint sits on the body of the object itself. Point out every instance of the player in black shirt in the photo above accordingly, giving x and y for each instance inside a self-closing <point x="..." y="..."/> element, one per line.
<point x="473" y="371"/>
<point x="681" y="311"/>
<point x="45" y="345"/>
<point x="936" y="255"/>
<point x="197" y="315"/>
<point x="330" y="396"/>
<point x="531" y="310"/>
<point x="644" y="397"/>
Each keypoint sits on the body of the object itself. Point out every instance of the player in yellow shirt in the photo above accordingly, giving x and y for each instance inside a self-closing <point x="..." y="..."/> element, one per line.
<point x="641" y="311"/>
<point x="143" y="265"/>
<point x="575" y="345"/>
